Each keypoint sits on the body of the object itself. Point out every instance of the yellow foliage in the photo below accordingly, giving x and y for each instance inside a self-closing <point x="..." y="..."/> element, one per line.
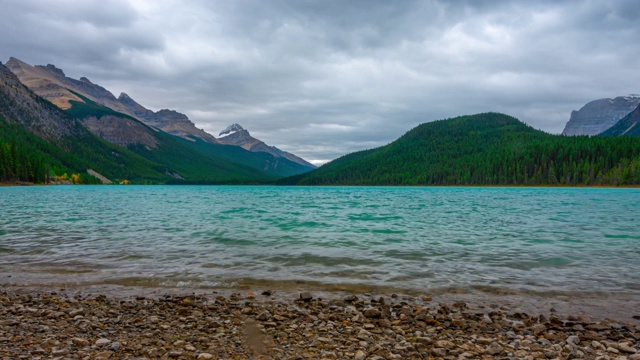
<point x="124" y="182"/>
<point x="75" y="178"/>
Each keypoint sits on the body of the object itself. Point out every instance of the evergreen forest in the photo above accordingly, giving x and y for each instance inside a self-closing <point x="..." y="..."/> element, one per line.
<point x="485" y="149"/>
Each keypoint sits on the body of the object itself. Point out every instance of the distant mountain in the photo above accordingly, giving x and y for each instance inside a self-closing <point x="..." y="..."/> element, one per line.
<point x="627" y="126"/>
<point x="52" y="84"/>
<point x="39" y="141"/>
<point x="236" y="135"/>
<point x="484" y="149"/>
<point x="169" y="121"/>
<point x="599" y="115"/>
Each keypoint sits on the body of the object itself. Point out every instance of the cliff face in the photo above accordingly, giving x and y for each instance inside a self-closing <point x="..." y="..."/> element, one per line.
<point x="599" y="115"/>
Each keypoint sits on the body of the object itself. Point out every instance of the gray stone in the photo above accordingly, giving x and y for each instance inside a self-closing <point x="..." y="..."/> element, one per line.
<point x="627" y="349"/>
<point x="102" y="342"/>
<point x="573" y="339"/>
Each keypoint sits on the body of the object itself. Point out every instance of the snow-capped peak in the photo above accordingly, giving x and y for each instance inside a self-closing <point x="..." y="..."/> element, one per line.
<point x="230" y="130"/>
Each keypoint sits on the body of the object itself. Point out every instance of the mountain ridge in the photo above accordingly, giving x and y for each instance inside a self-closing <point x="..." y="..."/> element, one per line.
<point x="599" y="115"/>
<point x="35" y="131"/>
<point x="236" y="135"/>
<point x="51" y="83"/>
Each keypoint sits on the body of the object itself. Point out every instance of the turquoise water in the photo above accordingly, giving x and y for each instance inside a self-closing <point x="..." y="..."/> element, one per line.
<point x="532" y="239"/>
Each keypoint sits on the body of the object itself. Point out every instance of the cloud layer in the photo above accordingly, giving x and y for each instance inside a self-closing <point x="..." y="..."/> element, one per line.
<point x="324" y="78"/>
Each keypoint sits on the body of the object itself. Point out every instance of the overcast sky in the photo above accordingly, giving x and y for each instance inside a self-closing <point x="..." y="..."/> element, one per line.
<point x="324" y="78"/>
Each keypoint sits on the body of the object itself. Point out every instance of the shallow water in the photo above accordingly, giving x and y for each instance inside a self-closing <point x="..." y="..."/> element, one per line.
<point x="542" y="240"/>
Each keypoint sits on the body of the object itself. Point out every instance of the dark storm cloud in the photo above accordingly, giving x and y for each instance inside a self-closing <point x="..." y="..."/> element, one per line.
<point x="322" y="78"/>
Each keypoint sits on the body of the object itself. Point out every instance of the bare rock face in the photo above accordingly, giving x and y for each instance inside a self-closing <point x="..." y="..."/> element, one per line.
<point x="599" y="115"/>
<point x="121" y="131"/>
<point x="21" y="105"/>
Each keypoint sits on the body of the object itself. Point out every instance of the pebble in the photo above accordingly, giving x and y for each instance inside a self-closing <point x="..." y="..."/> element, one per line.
<point x="102" y="342"/>
<point x="364" y="326"/>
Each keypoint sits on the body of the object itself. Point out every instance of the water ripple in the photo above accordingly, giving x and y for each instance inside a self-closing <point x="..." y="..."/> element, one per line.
<point x="538" y="239"/>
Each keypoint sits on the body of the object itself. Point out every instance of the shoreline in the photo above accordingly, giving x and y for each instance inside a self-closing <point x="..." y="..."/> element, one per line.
<point x="121" y="322"/>
<point x="635" y="186"/>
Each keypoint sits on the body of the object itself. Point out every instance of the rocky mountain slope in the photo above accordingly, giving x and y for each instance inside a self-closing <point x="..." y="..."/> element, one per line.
<point x="599" y="115"/>
<point x="236" y="135"/>
<point x="19" y="105"/>
<point x="52" y="84"/>
<point x="627" y="126"/>
<point x="169" y="121"/>
<point x="38" y="139"/>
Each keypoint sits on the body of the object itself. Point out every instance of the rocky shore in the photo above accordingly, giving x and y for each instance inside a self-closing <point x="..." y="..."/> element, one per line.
<point x="261" y="325"/>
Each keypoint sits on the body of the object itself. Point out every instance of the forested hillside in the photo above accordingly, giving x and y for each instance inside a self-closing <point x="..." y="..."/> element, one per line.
<point x="485" y="149"/>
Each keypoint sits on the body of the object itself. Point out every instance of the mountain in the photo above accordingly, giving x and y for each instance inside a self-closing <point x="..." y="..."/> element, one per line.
<point x="627" y="126"/>
<point x="52" y="84"/>
<point x="190" y="160"/>
<point x="485" y="149"/>
<point x="599" y="115"/>
<point x="36" y="114"/>
<point x="236" y="135"/>
<point x="39" y="141"/>
<point x="169" y="121"/>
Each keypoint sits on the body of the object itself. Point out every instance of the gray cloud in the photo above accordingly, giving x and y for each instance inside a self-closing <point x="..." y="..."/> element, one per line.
<point x="323" y="78"/>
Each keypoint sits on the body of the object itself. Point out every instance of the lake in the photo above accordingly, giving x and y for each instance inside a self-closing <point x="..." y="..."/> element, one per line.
<point x="540" y="240"/>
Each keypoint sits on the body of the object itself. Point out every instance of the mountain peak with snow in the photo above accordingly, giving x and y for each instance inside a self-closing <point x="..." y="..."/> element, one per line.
<point x="236" y="135"/>
<point x="231" y="129"/>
